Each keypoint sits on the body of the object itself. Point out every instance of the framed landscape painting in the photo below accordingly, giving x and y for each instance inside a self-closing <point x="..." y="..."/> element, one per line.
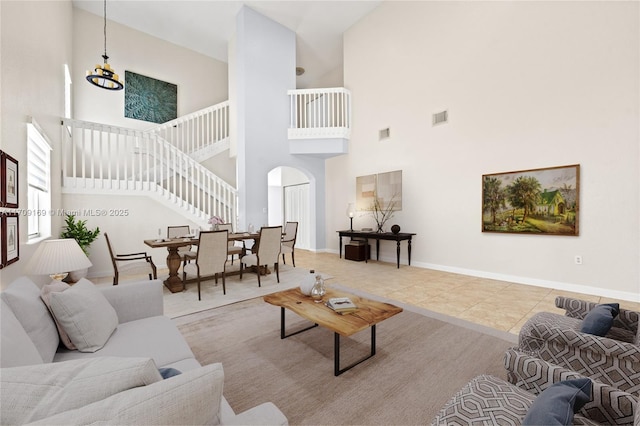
<point x="538" y="201"/>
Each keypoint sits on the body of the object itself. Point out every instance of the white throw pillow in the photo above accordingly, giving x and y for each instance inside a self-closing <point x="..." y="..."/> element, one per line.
<point x="85" y="315"/>
<point x="36" y="392"/>
<point x="45" y="292"/>
<point x="190" y="398"/>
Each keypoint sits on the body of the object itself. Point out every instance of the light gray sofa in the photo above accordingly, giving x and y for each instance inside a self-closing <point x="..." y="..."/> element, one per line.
<point x="31" y="350"/>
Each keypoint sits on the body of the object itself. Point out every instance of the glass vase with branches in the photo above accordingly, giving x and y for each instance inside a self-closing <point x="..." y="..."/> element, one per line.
<point x="382" y="211"/>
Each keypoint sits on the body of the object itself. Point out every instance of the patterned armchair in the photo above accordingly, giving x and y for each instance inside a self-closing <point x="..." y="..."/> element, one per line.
<point x="489" y="400"/>
<point x="609" y="404"/>
<point x="613" y="359"/>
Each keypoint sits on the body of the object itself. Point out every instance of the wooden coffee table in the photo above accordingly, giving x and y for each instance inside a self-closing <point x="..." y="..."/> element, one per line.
<point x="369" y="313"/>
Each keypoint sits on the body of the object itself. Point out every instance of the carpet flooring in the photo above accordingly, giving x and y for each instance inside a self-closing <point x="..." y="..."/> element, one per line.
<point x="421" y="361"/>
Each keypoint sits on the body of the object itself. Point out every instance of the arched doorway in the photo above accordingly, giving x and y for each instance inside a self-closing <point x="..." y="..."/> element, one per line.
<point x="289" y="200"/>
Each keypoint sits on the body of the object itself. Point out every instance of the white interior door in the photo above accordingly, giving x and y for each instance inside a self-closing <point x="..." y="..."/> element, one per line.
<point x="296" y="209"/>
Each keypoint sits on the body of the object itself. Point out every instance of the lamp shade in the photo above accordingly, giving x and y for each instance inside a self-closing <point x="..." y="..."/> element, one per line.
<point x="57" y="256"/>
<point x="351" y="211"/>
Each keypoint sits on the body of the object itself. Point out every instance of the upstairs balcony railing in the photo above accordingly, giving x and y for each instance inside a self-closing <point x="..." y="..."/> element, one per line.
<point x="320" y="113"/>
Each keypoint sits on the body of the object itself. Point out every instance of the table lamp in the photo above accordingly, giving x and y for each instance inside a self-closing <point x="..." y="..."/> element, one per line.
<point x="351" y="212"/>
<point x="57" y="258"/>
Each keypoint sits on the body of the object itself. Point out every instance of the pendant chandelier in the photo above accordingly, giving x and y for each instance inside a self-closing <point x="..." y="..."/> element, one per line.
<point x="103" y="75"/>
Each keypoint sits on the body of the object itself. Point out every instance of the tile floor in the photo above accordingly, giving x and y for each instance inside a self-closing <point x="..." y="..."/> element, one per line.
<point x="501" y="305"/>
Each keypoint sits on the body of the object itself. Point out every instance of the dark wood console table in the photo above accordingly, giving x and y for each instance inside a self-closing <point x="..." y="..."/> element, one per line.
<point x="369" y="235"/>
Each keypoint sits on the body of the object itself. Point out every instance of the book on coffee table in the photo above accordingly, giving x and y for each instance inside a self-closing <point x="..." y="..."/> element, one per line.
<point x="341" y="305"/>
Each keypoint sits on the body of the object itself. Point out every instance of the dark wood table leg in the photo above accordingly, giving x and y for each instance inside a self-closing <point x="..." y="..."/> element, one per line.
<point x="340" y="246"/>
<point x="409" y="249"/>
<point x="173" y="282"/>
<point x="398" y="254"/>
<point x="377" y="248"/>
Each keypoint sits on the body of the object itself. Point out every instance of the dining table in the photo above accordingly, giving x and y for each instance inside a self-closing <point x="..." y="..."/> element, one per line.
<point x="173" y="282"/>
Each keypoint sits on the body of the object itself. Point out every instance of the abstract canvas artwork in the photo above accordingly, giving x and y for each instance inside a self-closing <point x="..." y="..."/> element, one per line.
<point x="148" y="99"/>
<point x="386" y="187"/>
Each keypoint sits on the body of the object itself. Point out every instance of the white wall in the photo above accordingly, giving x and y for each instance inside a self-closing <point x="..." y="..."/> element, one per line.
<point x="140" y="220"/>
<point x="264" y="64"/>
<point x="35" y="45"/>
<point x="527" y="85"/>
<point x="201" y="80"/>
<point x="291" y="176"/>
<point x="222" y="166"/>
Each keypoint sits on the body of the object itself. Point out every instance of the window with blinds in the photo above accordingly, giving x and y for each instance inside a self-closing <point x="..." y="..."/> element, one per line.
<point x="38" y="182"/>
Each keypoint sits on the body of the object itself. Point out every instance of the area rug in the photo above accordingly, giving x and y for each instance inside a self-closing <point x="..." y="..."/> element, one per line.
<point x="420" y="363"/>
<point x="186" y="302"/>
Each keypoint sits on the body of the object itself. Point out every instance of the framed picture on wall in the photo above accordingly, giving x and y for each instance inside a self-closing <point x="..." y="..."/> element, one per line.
<point x="385" y="188"/>
<point x="365" y="192"/>
<point x="538" y="201"/>
<point x="149" y="99"/>
<point x="9" y="173"/>
<point x="10" y="239"/>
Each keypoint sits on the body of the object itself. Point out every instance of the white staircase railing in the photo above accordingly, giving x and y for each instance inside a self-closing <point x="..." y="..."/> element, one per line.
<point x="198" y="130"/>
<point x="320" y="113"/>
<point x="98" y="157"/>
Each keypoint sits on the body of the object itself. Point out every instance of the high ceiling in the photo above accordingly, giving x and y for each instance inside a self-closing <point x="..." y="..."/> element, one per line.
<point x="207" y="26"/>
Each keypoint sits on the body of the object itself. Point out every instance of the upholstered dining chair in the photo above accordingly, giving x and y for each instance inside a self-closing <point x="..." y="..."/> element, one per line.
<point x="267" y="252"/>
<point x="288" y="242"/>
<point x="130" y="263"/>
<point x="185" y="253"/>
<point x="233" y="248"/>
<point x="211" y="258"/>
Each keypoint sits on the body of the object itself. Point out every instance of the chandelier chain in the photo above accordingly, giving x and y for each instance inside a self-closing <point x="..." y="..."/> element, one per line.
<point x="105" y="30"/>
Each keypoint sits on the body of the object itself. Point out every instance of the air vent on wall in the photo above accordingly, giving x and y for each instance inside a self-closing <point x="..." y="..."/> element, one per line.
<point x="440" y="118"/>
<point x="384" y="134"/>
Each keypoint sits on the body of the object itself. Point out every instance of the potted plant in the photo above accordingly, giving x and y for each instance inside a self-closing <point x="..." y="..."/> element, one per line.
<point x="77" y="229"/>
